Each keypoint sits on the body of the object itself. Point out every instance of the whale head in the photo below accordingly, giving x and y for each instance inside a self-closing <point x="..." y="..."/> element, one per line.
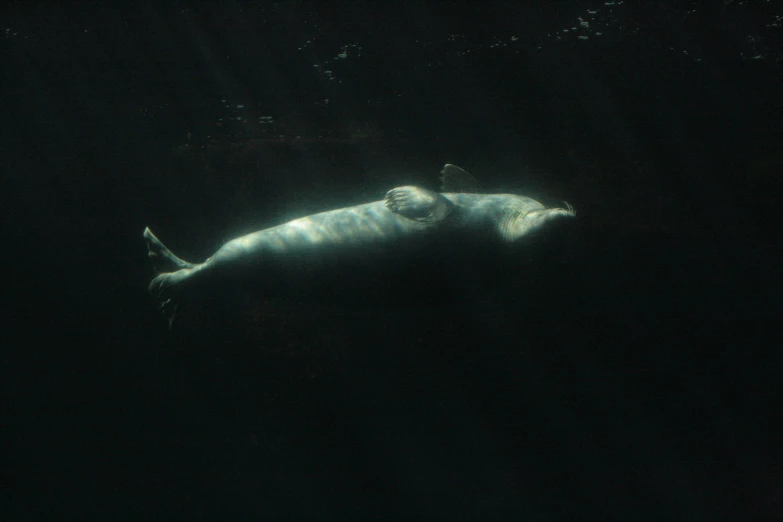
<point x="527" y="223"/>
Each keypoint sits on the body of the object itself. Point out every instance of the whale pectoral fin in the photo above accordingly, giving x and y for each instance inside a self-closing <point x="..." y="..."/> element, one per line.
<point x="457" y="180"/>
<point x="164" y="286"/>
<point x="418" y="204"/>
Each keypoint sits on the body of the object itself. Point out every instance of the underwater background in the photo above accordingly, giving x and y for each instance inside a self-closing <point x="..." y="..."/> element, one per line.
<point x="625" y="368"/>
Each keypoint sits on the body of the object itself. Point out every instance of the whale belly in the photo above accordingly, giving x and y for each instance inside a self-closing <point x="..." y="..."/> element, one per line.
<point x="363" y="224"/>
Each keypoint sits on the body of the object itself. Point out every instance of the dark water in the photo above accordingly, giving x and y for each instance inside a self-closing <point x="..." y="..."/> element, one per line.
<point x="624" y="368"/>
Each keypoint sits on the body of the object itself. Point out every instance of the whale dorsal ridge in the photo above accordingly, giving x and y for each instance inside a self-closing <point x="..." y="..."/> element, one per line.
<point x="457" y="180"/>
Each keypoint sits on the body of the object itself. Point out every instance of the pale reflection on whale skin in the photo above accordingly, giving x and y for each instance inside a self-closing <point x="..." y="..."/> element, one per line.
<point x="405" y="213"/>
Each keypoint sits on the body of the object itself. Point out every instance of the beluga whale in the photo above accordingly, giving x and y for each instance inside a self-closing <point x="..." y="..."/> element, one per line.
<point x="405" y="214"/>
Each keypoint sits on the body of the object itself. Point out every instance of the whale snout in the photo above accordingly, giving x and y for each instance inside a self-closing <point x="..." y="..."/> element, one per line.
<point x="532" y="223"/>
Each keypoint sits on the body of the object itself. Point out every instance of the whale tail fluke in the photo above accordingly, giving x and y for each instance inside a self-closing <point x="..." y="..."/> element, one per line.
<point x="163" y="284"/>
<point x="159" y="254"/>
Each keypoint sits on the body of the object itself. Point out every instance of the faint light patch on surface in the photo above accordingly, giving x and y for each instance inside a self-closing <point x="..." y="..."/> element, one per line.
<point x="10" y="34"/>
<point x="330" y="68"/>
<point x="600" y="23"/>
<point x="755" y="49"/>
<point x="593" y="22"/>
<point x="153" y="111"/>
